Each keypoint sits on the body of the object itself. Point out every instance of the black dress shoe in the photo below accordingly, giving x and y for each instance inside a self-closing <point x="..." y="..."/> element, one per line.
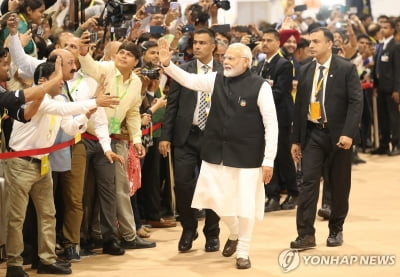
<point x="325" y="211"/>
<point x="230" y="248"/>
<point x="335" y="239"/>
<point x="16" y="271"/>
<point x="290" y="203"/>
<point x="56" y="268"/>
<point x="112" y="247"/>
<point x="186" y="240"/>
<point x="137" y="243"/>
<point x="272" y="205"/>
<point x="394" y="152"/>
<point x="212" y="244"/>
<point x="380" y="151"/>
<point x="303" y="242"/>
<point x="242" y="263"/>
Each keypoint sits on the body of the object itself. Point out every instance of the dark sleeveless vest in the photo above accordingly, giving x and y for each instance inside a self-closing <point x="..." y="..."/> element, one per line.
<point x="234" y="134"/>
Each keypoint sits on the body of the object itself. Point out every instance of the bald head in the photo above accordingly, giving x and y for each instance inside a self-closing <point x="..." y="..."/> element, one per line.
<point x="67" y="62"/>
<point x="110" y="50"/>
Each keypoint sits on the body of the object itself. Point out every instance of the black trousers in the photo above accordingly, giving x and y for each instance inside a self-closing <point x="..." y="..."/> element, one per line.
<point x="366" y="120"/>
<point x="149" y="195"/>
<point x="318" y="148"/>
<point x="389" y="121"/>
<point x="284" y="176"/>
<point x="187" y="164"/>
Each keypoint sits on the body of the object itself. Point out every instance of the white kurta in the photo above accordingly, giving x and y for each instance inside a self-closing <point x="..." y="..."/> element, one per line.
<point x="227" y="190"/>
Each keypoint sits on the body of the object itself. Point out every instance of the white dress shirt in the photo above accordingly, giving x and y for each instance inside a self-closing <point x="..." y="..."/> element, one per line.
<point x="52" y="114"/>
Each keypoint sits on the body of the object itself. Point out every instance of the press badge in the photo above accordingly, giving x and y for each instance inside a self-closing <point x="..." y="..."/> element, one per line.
<point x="385" y="58"/>
<point x="44" y="165"/>
<point x="115" y="125"/>
<point x="315" y="110"/>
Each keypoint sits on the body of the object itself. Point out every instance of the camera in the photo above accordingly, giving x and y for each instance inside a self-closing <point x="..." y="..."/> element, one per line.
<point x="223" y="4"/>
<point x="253" y="39"/>
<point x="178" y="58"/>
<point x="117" y="12"/>
<point x="153" y="9"/>
<point x="151" y="73"/>
<point x="187" y="28"/>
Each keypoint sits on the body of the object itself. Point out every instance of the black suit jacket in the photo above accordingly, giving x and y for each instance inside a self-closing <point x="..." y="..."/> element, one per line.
<point x="281" y="72"/>
<point x="181" y="103"/>
<point x="343" y="100"/>
<point x="389" y="71"/>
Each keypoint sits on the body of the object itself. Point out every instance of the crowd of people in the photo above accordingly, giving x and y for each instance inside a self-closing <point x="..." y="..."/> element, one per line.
<point x="148" y="114"/>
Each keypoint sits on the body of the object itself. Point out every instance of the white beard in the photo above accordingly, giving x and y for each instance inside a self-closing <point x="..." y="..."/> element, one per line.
<point x="232" y="72"/>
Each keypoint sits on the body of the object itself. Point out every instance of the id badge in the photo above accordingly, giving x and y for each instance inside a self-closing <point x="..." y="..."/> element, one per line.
<point x="315" y="110"/>
<point x="78" y="137"/>
<point x="384" y="58"/>
<point x="115" y="125"/>
<point x="44" y="165"/>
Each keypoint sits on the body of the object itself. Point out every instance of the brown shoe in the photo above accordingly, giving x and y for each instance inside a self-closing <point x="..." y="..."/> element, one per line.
<point x="229" y="248"/>
<point x="161" y="223"/>
<point x="242" y="263"/>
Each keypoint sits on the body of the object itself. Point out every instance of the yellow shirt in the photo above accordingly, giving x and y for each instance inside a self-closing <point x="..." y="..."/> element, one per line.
<point x="129" y="102"/>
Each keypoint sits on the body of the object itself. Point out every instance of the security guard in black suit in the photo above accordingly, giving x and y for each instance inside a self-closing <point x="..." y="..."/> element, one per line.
<point x="181" y="127"/>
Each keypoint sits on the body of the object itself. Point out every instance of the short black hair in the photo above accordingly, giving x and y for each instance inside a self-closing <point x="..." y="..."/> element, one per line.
<point x="33" y="4"/>
<point x="131" y="47"/>
<point x="303" y="43"/>
<point x="43" y="70"/>
<point x="3" y="52"/>
<point x="274" y="32"/>
<point x="313" y="26"/>
<point x="207" y="31"/>
<point x="327" y="34"/>
<point x="146" y="45"/>
<point x="363" y="36"/>
<point x="391" y="23"/>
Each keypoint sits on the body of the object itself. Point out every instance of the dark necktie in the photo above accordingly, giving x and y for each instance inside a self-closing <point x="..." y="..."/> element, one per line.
<point x="320" y="93"/>
<point x="203" y="104"/>
<point x="265" y="71"/>
<point x="379" y="52"/>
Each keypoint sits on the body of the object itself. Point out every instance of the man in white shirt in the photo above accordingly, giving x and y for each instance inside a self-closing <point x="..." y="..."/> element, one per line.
<point x="238" y="147"/>
<point x="29" y="175"/>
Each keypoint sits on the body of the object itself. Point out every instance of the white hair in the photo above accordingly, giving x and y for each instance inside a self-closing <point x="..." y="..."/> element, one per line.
<point x="246" y="51"/>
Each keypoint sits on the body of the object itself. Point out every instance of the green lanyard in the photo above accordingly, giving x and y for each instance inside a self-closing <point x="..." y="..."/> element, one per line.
<point x="126" y="90"/>
<point x="23" y="18"/>
<point x="76" y="84"/>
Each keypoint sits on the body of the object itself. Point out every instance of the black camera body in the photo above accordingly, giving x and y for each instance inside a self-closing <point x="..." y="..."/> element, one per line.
<point x="151" y="73"/>
<point x="117" y="12"/>
<point x="223" y="4"/>
<point x="188" y="28"/>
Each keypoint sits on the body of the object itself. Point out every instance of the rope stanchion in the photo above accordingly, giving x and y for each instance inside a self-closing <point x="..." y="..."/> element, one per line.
<point x="38" y="151"/>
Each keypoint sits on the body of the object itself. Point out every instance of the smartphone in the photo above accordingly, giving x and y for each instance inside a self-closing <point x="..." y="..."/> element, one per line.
<point x="222" y="28"/>
<point x="153" y="9"/>
<point x="157" y="30"/>
<point x="300" y="8"/>
<point x="39" y="31"/>
<point x="93" y="37"/>
<point x="188" y="28"/>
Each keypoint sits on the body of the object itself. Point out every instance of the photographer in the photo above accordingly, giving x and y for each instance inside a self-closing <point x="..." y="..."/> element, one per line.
<point x="153" y="105"/>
